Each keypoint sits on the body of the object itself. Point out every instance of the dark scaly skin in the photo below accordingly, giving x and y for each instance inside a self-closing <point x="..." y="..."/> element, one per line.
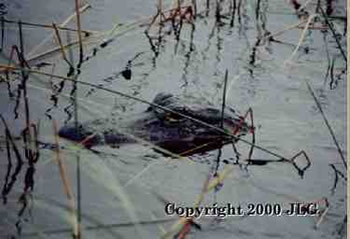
<point x="166" y="130"/>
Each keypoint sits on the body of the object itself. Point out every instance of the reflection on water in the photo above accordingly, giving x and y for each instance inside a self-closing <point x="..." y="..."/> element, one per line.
<point x="257" y="55"/>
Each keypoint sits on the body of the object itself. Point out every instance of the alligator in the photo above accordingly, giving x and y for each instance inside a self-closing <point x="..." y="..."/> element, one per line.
<point x="173" y="129"/>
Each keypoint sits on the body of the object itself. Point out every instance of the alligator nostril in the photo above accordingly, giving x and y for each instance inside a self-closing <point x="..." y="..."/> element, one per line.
<point x="73" y="133"/>
<point x="62" y="132"/>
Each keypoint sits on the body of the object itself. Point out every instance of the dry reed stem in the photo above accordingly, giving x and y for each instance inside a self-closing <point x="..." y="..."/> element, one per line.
<point x="289" y="60"/>
<point x="77" y="12"/>
<point x="287" y="28"/>
<point x="330" y="25"/>
<point x="81" y="10"/>
<point x="54" y="50"/>
<point x="49" y="52"/>
<point x="320" y="220"/>
<point x="47" y="26"/>
<point x="59" y="42"/>
<point x="160" y="6"/>
<point x="322" y="216"/>
<point x="139" y="174"/>
<point x="98" y="227"/>
<point x="208" y="186"/>
<point x="28" y="131"/>
<point x="327" y="124"/>
<point x="199" y="147"/>
<point x="304" y="5"/>
<point x="66" y="184"/>
<point x="178" y="3"/>
<point x="322" y="28"/>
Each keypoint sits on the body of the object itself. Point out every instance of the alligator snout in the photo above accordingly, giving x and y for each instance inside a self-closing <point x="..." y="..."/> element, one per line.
<point x="79" y="133"/>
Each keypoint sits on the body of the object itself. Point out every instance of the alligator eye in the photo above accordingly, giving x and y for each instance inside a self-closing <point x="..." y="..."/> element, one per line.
<point x="170" y="117"/>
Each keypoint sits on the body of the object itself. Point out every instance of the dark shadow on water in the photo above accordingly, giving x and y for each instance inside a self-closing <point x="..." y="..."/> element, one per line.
<point x="155" y="44"/>
<point x="12" y="174"/>
<point x="188" y="55"/>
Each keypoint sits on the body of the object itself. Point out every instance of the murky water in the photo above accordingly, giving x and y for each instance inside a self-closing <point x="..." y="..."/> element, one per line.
<point x="132" y="183"/>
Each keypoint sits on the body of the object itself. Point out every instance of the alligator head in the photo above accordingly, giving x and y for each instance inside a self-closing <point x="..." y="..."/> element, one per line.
<point x="164" y="128"/>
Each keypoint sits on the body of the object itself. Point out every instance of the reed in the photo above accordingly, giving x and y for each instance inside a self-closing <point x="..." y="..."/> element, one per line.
<point x="66" y="185"/>
<point x="62" y="25"/>
<point x="331" y="132"/>
<point x="35" y="25"/>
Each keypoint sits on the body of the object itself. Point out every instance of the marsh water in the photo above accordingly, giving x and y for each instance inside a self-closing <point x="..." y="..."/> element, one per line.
<point x="294" y="82"/>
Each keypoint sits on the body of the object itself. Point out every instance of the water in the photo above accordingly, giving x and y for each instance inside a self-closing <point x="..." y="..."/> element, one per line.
<point x="122" y="185"/>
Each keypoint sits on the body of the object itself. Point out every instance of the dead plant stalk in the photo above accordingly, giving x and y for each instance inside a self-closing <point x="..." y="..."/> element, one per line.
<point x="66" y="183"/>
